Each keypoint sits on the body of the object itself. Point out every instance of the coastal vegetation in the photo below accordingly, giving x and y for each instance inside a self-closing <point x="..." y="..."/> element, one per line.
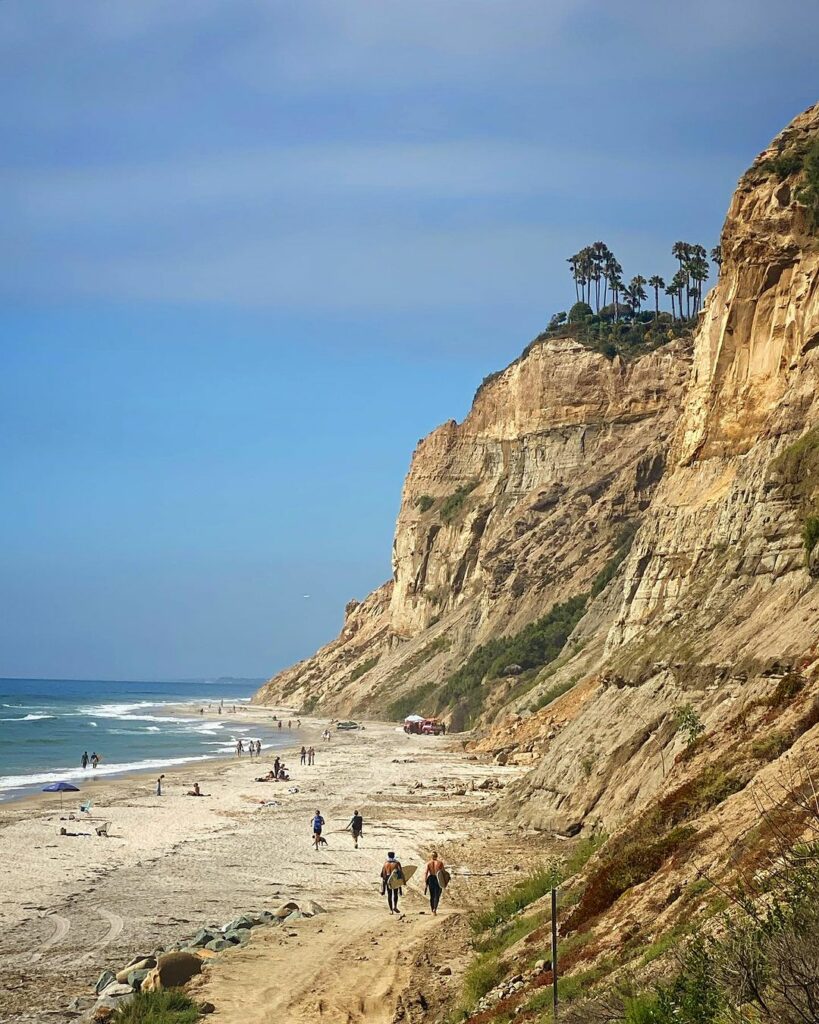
<point x="363" y="668"/>
<point x="166" y="1006"/>
<point x="453" y="504"/>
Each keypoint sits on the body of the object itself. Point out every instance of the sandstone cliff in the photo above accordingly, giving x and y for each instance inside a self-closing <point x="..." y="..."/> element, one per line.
<point x="521" y="505"/>
<point x="502" y="516"/>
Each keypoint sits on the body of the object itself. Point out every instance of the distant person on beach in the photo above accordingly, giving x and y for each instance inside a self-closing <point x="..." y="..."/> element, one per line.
<point x="95" y="759"/>
<point x="431" y="884"/>
<point x="289" y="723"/>
<point x="270" y="777"/>
<point x="276" y="766"/>
<point x="318" y="825"/>
<point x="258" y="748"/>
<point x="84" y="759"/>
<point x="311" y="755"/>
<point x="280" y="723"/>
<point x="239" y="748"/>
<point x="159" y="785"/>
<point x="303" y="755"/>
<point x="201" y="711"/>
<point x="356" y="826"/>
<point x="195" y="791"/>
<point x="391" y="864"/>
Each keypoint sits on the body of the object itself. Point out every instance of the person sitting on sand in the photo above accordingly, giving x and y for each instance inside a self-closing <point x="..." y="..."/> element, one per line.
<point x="431" y="883"/>
<point x="318" y="825"/>
<point x="391" y="864"/>
<point x="195" y="791"/>
<point x="356" y="826"/>
<point x="270" y="777"/>
<point x="284" y="774"/>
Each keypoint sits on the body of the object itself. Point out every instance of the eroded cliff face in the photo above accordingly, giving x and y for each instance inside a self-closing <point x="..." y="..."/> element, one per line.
<point x="518" y="507"/>
<point x="502" y="516"/>
<point x="718" y="600"/>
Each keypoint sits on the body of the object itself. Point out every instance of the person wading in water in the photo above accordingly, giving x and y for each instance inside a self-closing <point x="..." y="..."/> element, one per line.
<point x="431" y="883"/>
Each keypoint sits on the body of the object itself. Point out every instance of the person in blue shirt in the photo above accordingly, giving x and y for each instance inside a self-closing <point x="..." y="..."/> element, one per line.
<point x="318" y="824"/>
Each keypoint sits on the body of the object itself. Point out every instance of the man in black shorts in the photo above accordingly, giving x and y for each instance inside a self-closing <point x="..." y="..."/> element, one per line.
<point x="356" y="826"/>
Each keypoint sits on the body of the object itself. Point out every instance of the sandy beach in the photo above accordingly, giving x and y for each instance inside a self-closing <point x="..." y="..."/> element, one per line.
<point x="74" y="905"/>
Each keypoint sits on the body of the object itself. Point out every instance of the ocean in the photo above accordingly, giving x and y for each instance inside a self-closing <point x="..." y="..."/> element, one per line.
<point x="46" y="724"/>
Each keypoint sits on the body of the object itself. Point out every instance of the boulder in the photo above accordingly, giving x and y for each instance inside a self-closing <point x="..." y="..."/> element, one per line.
<point x="115" y="989"/>
<point x="105" y="979"/>
<point x="238" y="935"/>
<point x="296" y="915"/>
<point x="204" y="936"/>
<point x="285" y="910"/>
<point x="263" y="917"/>
<point x="131" y="965"/>
<point x="135" y="978"/>
<point x="137" y="965"/>
<point x="172" y="971"/>
<point x="245" y="921"/>
<point x="312" y="908"/>
<point x="218" y="945"/>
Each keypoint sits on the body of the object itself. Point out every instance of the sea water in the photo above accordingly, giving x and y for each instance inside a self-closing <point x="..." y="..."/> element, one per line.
<point x="46" y="724"/>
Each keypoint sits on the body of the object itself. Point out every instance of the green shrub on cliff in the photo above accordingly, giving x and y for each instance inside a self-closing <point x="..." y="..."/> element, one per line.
<point x="454" y="503"/>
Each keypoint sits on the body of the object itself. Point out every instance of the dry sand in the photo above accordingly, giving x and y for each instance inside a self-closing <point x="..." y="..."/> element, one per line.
<point x="75" y="905"/>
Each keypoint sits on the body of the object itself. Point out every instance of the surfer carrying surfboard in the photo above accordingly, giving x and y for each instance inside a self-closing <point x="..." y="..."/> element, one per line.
<point x="392" y="877"/>
<point x="436" y="879"/>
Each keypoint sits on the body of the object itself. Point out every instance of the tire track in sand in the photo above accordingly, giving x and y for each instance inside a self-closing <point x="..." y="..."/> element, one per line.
<point x="62" y="926"/>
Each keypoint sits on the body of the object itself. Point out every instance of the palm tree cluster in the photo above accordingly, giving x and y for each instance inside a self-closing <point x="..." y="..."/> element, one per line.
<point x="598" y="282"/>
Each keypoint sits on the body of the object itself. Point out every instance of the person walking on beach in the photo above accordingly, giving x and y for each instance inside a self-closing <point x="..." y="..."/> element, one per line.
<point x="95" y="759"/>
<point x="251" y="748"/>
<point x="239" y="748"/>
<point x="303" y="755"/>
<point x="318" y="825"/>
<point x="431" y="884"/>
<point x="280" y="723"/>
<point x="289" y="723"/>
<point x="391" y="865"/>
<point x="159" y="785"/>
<point x="356" y="826"/>
<point x="258" y="748"/>
<point x="276" y="765"/>
<point x="311" y="756"/>
<point x="84" y="759"/>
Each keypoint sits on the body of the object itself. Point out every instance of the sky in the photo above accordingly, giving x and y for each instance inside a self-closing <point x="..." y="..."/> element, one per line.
<point x="251" y="251"/>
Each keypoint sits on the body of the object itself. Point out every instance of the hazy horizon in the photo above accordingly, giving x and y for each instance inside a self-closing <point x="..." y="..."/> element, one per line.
<point x="256" y="251"/>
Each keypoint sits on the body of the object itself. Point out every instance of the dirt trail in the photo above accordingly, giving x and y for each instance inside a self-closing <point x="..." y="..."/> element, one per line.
<point x="338" y="968"/>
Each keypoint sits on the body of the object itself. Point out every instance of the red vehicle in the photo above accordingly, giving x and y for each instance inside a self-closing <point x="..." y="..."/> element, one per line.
<point x="416" y="725"/>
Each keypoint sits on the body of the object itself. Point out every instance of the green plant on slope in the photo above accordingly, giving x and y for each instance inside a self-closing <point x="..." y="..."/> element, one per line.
<point x="809" y="192"/>
<point x="452" y="505"/>
<point x="688" y="723"/>
<point x="168" y="1006"/>
<point x="424" y="503"/>
<point x="363" y="668"/>
<point x="810" y="533"/>
<point x="518" y="898"/>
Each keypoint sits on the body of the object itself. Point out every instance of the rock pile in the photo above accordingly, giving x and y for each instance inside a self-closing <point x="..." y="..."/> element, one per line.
<point x="174" y="967"/>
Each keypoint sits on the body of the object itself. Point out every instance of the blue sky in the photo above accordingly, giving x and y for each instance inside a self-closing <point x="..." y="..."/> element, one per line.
<point x="253" y="251"/>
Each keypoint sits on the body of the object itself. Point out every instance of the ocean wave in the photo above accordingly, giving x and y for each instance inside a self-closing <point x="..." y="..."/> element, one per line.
<point x="27" y="718"/>
<point x="64" y="774"/>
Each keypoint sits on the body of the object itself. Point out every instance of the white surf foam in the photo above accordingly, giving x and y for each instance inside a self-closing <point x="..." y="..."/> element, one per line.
<point x="64" y="774"/>
<point x="27" y="718"/>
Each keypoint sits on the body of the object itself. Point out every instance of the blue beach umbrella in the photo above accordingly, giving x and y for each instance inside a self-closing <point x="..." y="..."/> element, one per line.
<point x="60" y="787"/>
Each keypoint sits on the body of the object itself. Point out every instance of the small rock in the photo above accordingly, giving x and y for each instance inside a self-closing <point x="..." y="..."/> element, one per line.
<point x="206" y="1007"/>
<point x="285" y="910"/>
<point x="104" y="980"/>
<point x="102" y="1014"/>
<point x="136" y="977"/>
<point x="238" y="935"/>
<point x="445" y="970"/>
<point x="138" y="965"/>
<point x="311" y="907"/>
<point x="115" y="989"/>
<point x="219" y="945"/>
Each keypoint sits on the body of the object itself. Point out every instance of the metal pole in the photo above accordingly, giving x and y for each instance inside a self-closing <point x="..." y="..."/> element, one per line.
<point x="554" y="953"/>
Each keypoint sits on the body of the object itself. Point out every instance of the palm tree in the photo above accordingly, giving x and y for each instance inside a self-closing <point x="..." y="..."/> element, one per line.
<point x="699" y="274"/>
<point x="613" y="271"/>
<point x="656" y="282"/>
<point x="572" y="261"/>
<point x="671" y="290"/>
<point x="716" y="255"/>
<point x="637" y="291"/>
<point x="680" y="282"/>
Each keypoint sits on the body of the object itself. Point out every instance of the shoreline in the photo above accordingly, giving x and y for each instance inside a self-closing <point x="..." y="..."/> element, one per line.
<point x="93" y="779"/>
<point x="78" y="904"/>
